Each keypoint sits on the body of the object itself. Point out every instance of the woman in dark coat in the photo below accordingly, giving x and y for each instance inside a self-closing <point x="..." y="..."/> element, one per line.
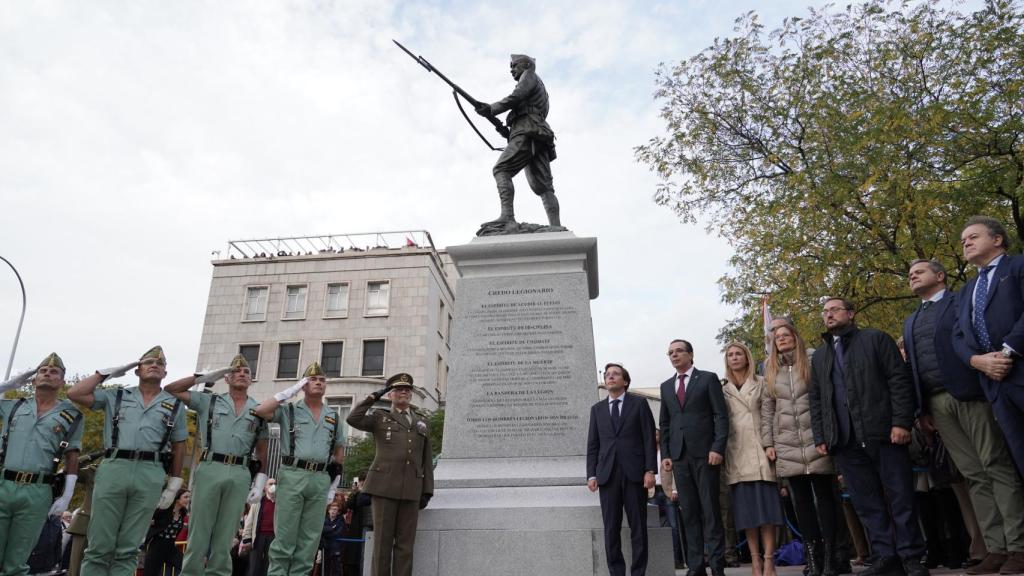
<point x="330" y="541"/>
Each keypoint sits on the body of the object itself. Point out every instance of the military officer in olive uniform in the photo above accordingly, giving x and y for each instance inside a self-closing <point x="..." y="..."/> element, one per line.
<point x="229" y="433"/>
<point x="37" y="433"/>
<point x="310" y="440"/>
<point x="139" y="424"/>
<point x="401" y="478"/>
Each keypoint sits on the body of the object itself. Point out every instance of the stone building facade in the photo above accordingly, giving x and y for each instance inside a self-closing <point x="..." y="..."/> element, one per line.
<point x="365" y="306"/>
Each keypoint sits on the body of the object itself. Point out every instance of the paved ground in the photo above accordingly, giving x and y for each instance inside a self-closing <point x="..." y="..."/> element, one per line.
<point x="797" y="570"/>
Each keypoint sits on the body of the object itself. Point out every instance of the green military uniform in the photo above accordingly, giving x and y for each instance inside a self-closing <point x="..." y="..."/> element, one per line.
<point x="400" y="477"/>
<point x="131" y="477"/>
<point x="32" y="441"/>
<point x="302" y="483"/>
<point x="222" y="479"/>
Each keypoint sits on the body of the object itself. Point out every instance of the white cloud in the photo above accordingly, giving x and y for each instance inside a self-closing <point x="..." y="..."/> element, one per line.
<point x="139" y="137"/>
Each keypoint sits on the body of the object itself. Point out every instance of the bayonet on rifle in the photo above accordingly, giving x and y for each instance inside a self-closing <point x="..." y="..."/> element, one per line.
<point x="458" y="91"/>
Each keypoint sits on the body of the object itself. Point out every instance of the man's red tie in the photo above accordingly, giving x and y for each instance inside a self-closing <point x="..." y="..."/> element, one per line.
<point x="681" y="390"/>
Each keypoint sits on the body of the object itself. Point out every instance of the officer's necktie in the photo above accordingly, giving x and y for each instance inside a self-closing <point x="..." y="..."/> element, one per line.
<point x="405" y="419"/>
<point x="980" y="302"/>
<point x="681" y="391"/>
<point x="615" y="413"/>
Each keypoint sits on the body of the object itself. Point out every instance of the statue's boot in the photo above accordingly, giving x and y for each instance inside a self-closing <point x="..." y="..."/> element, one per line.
<point x="507" y="217"/>
<point x="551" y="207"/>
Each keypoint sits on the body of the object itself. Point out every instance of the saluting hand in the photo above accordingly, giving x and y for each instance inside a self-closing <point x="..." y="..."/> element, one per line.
<point x="116" y="371"/>
<point x="18" y="380"/>
<point x="213" y="376"/>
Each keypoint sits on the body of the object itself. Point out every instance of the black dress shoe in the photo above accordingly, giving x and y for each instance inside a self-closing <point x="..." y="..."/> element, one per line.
<point x="914" y="567"/>
<point x="891" y="566"/>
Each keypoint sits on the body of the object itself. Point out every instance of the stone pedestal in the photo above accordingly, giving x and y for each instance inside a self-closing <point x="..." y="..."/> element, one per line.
<point x="510" y="488"/>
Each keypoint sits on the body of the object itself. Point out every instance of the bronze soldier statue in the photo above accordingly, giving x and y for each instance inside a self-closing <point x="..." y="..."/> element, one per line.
<point x="531" y="143"/>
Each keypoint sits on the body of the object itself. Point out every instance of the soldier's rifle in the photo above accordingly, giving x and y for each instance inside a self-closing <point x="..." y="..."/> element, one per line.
<point x="458" y="91"/>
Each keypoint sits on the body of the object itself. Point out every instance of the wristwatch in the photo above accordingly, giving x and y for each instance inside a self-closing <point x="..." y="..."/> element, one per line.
<point x="1007" y="352"/>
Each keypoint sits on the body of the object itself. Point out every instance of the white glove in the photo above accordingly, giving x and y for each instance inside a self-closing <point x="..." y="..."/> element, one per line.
<point x="333" y="489"/>
<point x="61" y="504"/>
<point x="167" y="497"/>
<point x="18" y="380"/>
<point x="256" y="492"/>
<point x="287" y="393"/>
<point x="213" y="376"/>
<point x="117" y="371"/>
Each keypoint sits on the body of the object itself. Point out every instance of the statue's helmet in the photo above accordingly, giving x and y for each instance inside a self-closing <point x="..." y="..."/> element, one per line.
<point x="530" y="62"/>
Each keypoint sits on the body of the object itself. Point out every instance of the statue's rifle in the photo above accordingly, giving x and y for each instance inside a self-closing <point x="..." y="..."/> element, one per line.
<point x="456" y="92"/>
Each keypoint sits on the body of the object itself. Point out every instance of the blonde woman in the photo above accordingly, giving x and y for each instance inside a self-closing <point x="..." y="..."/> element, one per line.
<point x="750" y="475"/>
<point x="789" y="442"/>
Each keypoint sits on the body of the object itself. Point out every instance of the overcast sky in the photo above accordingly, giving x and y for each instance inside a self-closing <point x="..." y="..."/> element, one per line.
<point x="138" y="137"/>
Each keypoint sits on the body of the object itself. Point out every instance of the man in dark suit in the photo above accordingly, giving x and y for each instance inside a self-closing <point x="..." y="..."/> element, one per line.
<point x="990" y="333"/>
<point x="622" y="461"/>
<point x="951" y="402"/>
<point x="694" y="423"/>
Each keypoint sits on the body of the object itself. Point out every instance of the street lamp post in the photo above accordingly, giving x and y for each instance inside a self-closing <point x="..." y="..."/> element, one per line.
<point x="17" y="335"/>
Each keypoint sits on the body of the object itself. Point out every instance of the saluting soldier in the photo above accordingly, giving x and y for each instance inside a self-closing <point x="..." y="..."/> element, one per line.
<point x="38" y="432"/>
<point x="401" y="478"/>
<point x="309" y="442"/>
<point x="229" y="433"/>
<point x="139" y="425"/>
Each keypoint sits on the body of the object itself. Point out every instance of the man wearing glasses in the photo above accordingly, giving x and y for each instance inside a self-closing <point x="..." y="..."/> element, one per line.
<point x="694" y="423"/>
<point x="862" y="409"/>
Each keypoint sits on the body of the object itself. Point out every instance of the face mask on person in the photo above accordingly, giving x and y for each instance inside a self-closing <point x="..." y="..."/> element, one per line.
<point x="272" y="489"/>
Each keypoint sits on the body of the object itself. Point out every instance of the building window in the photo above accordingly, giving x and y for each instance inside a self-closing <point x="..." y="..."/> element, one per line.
<point x="378" y="298"/>
<point x="256" y="303"/>
<point x="288" y="360"/>
<point x="336" y="301"/>
<point x="441" y="320"/>
<point x="330" y="358"/>
<point x="251" y="353"/>
<point x="442" y="372"/>
<point x="373" y="358"/>
<point x="449" y="328"/>
<point x="295" y="303"/>
<point x="341" y="406"/>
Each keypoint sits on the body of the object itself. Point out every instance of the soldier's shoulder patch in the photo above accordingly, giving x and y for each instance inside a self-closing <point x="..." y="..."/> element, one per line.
<point x="330" y="419"/>
<point x="67" y="415"/>
<point x="166" y="404"/>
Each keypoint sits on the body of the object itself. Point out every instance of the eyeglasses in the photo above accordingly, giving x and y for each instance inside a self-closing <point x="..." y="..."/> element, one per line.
<point x="833" y="310"/>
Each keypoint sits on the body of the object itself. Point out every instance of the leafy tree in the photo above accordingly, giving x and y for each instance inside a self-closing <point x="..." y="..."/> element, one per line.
<point x="836" y="149"/>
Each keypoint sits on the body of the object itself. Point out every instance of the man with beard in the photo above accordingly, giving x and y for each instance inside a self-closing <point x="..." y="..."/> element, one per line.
<point x="38" y="432"/>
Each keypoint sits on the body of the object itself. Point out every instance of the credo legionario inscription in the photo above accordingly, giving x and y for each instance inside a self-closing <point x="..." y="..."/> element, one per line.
<point x="520" y="357"/>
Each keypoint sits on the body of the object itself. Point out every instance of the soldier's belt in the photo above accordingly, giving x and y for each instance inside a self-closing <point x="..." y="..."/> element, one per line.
<point x="133" y="455"/>
<point x="309" y="465"/>
<point x="27" y="477"/>
<point x="229" y="459"/>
